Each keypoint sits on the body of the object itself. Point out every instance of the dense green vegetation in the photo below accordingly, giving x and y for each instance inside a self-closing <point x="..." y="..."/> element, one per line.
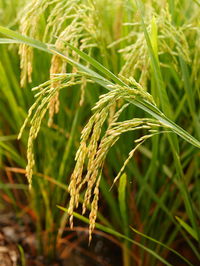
<point x="99" y="107"/>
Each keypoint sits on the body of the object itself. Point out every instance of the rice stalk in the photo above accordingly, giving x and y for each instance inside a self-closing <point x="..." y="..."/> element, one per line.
<point x="46" y="95"/>
<point x="94" y="147"/>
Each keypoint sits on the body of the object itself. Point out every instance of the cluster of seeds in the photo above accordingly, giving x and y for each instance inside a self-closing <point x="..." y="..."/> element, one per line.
<point x="72" y="21"/>
<point x="94" y="147"/>
<point x="166" y="40"/>
<point x="46" y="93"/>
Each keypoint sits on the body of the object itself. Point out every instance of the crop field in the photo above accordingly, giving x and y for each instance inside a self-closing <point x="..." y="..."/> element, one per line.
<point x="99" y="132"/>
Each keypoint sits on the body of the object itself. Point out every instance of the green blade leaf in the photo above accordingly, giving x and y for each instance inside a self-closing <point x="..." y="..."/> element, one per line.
<point x="8" y="41"/>
<point x="122" y="199"/>
<point x="160" y="243"/>
<point x="188" y="228"/>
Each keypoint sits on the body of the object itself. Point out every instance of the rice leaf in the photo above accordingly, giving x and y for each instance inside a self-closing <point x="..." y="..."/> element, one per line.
<point x="188" y="228"/>
<point x="160" y="243"/>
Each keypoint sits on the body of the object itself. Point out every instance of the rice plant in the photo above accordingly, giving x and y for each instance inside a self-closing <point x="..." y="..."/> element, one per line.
<point x="99" y="108"/>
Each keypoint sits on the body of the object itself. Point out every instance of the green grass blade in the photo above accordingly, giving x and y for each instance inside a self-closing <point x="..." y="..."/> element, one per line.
<point x="163" y="97"/>
<point x="122" y="200"/>
<point x="188" y="228"/>
<point x="97" y="65"/>
<point x="22" y="255"/>
<point x="8" y="41"/>
<point x="124" y="215"/>
<point x="190" y="95"/>
<point x="160" y="243"/>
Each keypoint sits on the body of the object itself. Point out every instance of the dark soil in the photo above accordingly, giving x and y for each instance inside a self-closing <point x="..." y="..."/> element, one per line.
<point x="73" y="250"/>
